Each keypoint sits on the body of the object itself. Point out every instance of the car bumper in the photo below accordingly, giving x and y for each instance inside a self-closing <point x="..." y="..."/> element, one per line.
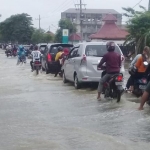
<point x="93" y="79"/>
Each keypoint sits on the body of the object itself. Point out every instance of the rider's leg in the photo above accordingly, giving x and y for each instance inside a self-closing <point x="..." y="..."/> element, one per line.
<point x="31" y="64"/>
<point x="101" y="82"/>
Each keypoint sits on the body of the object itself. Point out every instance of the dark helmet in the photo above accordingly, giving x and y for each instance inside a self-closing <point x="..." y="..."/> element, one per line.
<point x="60" y="48"/>
<point x="35" y="47"/>
<point x="110" y="46"/>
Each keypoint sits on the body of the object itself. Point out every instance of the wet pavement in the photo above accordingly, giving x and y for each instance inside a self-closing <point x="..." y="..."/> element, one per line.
<point x="41" y="113"/>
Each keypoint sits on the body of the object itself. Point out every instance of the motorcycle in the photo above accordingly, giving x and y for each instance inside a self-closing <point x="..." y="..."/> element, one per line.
<point x="22" y="60"/>
<point x="37" y="66"/>
<point x="14" y="53"/>
<point x="113" y="88"/>
<point x="140" y="84"/>
<point x="8" y="53"/>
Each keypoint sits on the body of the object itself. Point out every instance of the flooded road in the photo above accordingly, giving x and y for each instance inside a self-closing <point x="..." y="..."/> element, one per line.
<point x="41" y="113"/>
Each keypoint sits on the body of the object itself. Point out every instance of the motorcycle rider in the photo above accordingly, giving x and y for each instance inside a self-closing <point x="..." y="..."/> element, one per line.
<point x="113" y="65"/>
<point x="57" y="60"/>
<point x="36" y="55"/>
<point x="129" y="82"/>
<point x="21" y="53"/>
<point x="140" y="67"/>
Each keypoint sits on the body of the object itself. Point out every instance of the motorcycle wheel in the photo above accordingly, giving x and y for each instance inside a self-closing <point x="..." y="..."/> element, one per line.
<point x="37" y="70"/>
<point x="118" y="96"/>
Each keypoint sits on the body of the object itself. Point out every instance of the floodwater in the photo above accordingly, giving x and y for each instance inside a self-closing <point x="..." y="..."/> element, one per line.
<point x="41" y="113"/>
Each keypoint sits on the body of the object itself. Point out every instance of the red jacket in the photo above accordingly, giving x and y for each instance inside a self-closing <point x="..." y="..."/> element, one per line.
<point x="113" y="62"/>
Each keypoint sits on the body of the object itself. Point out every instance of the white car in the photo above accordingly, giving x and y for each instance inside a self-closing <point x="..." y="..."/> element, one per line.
<point x="81" y="64"/>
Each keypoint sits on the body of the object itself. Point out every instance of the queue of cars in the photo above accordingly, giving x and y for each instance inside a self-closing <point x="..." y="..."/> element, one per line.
<point x="80" y="65"/>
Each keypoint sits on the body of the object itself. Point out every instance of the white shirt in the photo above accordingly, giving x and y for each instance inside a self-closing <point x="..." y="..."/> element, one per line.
<point x="36" y="55"/>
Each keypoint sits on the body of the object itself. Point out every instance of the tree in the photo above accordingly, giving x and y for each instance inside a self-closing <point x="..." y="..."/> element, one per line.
<point x="17" y="28"/>
<point x="39" y="36"/>
<point x="138" y="27"/>
<point x="47" y="38"/>
<point x="64" y="24"/>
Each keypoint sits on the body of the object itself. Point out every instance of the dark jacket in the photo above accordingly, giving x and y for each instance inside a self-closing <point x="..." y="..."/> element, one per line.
<point x="113" y="62"/>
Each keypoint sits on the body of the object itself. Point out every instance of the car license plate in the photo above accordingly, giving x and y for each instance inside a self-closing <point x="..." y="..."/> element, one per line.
<point x="142" y="87"/>
<point x="119" y="83"/>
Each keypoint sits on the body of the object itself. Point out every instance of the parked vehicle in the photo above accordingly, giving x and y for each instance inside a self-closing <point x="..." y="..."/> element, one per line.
<point x="48" y="59"/>
<point x="81" y="63"/>
<point x="37" y="66"/>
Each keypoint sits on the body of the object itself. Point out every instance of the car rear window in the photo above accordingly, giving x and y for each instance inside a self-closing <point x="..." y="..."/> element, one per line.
<point x="42" y="47"/>
<point x="54" y="50"/>
<point x="98" y="50"/>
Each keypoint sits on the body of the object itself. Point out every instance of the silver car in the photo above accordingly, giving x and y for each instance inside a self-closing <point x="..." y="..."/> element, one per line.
<point x="81" y="64"/>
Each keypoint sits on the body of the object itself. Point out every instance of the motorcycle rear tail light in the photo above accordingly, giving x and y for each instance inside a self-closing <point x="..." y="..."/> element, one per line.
<point x="144" y="80"/>
<point x="37" y="62"/>
<point x="119" y="78"/>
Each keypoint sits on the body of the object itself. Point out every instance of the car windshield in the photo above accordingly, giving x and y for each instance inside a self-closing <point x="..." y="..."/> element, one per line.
<point x="98" y="50"/>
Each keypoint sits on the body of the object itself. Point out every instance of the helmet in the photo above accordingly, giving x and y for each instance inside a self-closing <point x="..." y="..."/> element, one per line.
<point x="20" y="47"/>
<point x="110" y="46"/>
<point x="35" y="47"/>
<point x="60" y="48"/>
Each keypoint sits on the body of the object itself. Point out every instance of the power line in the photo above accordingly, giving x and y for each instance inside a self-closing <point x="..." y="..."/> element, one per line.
<point x="58" y="11"/>
<point x="60" y="6"/>
<point x="138" y="3"/>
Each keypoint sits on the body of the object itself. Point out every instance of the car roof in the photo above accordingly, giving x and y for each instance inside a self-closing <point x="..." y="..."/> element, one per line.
<point x="94" y="43"/>
<point x="56" y="44"/>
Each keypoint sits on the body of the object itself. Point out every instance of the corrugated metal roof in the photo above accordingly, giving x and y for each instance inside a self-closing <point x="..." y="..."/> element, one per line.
<point x="92" y="11"/>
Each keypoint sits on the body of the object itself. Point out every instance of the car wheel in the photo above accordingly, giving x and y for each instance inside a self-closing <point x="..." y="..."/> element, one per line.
<point x="46" y="69"/>
<point x="64" y="78"/>
<point x="77" y="85"/>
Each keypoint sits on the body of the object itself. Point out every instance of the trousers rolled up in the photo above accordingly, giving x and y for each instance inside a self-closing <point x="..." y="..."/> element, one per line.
<point x="103" y="80"/>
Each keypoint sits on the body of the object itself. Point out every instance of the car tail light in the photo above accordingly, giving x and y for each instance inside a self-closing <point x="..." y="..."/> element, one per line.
<point x="119" y="78"/>
<point x="49" y="57"/>
<point x="83" y="60"/>
<point x="122" y="58"/>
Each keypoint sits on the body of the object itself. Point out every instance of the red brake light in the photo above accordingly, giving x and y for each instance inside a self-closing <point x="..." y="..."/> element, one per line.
<point x="37" y="62"/>
<point x="122" y="58"/>
<point x="84" y="58"/>
<point x="49" y="57"/>
<point x="119" y="78"/>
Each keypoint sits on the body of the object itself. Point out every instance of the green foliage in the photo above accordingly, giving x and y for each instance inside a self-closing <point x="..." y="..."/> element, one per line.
<point x="64" y="24"/>
<point x="17" y="28"/>
<point x="40" y="37"/>
<point x="138" y="27"/>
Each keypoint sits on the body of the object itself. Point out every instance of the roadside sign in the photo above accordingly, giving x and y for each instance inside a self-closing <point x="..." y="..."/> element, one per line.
<point x="65" y="35"/>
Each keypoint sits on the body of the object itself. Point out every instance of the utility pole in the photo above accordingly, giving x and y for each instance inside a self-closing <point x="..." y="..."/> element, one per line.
<point x="81" y="18"/>
<point x="39" y="19"/>
<point x="149" y="6"/>
<point x="39" y="22"/>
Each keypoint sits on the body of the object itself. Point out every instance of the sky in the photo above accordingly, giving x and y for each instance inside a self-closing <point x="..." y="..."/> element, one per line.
<point x="50" y="10"/>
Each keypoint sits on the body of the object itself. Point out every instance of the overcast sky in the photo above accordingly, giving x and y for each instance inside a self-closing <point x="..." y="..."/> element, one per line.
<point x="50" y="10"/>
